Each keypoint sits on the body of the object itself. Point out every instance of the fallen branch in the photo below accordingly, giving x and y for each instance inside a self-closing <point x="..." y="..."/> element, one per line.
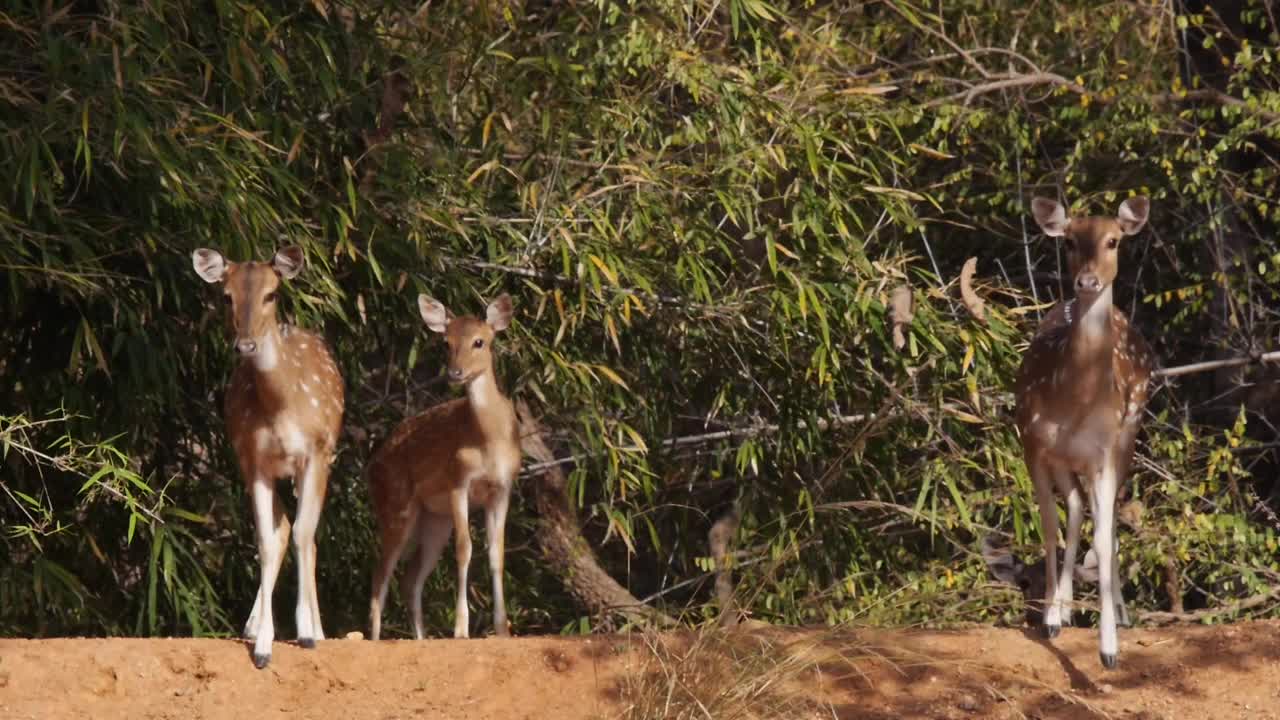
<point x="1167" y="618"/>
<point x="564" y="548"/>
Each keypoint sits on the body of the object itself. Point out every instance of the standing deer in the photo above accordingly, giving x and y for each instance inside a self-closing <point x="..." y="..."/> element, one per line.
<point x="1081" y="392"/>
<point x="426" y="476"/>
<point x="283" y="411"/>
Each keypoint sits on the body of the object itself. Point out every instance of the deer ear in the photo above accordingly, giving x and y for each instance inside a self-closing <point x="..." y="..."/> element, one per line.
<point x="288" y="262"/>
<point x="1087" y="570"/>
<point x="1001" y="563"/>
<point x="1050" y="216"/>
<point x="209" y="264"/>
<point x="1133" y="214"/>
<point x="433" y="313"/>
<point x="498" y="314"/>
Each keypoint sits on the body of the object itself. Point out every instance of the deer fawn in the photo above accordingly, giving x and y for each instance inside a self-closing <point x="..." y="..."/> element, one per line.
<point x="435" y="465"/>
<point x="1030" y="580"/>
<point x="1081" y="392"/>
<point x="283" y="411"/>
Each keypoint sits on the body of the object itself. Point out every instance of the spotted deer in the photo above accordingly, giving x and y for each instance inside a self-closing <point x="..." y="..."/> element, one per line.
<point x="283" y="409"/>
<point x="436" y="465"/>
<point x="1081" y="392"/>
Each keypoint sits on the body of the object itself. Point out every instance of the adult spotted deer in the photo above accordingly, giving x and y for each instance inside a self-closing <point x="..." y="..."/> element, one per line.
<point x="1081" y="392"/>
<point x="435" y="466"/>
<point x="283" y="412"/>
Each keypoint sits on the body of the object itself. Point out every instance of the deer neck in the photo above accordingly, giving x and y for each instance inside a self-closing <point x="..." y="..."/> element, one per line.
<point x="488" y="404"/>
<point x="1092" y="341"/>
<point x="271" y="368"/>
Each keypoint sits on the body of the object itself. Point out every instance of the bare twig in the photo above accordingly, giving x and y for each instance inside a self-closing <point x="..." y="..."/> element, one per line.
<point x="687" y="440"/>
<point x="1217" y="364"/>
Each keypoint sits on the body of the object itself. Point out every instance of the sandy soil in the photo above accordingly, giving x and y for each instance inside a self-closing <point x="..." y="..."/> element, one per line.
<point x="1183" y="672"/>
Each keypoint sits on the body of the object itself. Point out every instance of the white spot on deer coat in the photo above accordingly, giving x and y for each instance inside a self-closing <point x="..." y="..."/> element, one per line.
<point x="291" y="437"/>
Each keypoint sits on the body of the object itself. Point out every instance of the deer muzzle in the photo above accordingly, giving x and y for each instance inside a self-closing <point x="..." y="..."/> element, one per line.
<point x="1088" y="283"/>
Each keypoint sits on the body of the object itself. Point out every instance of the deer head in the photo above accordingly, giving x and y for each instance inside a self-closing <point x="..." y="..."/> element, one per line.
<point x="1005" y="567"/>
<point x="249" y="289"/>
<point x="469" y="339"/>
<point x="1092" y="242"/>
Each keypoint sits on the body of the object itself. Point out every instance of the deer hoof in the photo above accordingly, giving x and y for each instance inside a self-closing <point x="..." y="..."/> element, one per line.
<point x="1052" y="631"/>
<point x="1109" y="660"/>
<point x="307" y="643"/>
<point x="261" y="660"/>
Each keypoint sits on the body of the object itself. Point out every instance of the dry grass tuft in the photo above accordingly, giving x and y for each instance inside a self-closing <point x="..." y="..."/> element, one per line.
<point x="741" y="672"/>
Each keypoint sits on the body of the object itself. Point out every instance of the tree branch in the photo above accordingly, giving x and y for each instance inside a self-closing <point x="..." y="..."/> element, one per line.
<point x="1216" y="364"/>
<point x="1013" y="80"/>
<point x="687" y="440"/>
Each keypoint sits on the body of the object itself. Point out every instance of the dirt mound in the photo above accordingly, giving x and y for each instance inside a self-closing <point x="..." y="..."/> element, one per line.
<point x="1222" y="672"/>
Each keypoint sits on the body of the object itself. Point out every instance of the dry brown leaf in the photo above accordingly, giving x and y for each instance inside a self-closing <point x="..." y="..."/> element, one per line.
<point x="901" y="311"/>
<point x="976" y="306"/>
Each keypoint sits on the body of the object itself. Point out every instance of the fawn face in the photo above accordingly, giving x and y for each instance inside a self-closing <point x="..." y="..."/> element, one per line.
<point x="470" y="339"/>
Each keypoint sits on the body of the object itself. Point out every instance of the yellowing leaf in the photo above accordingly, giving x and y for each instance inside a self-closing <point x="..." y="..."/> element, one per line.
<point x="613" y="278"/>
<point x="783" y="249"/>
<point x="482" y="170"/>
<point x="896" y="192"/>
<point x="869" y="90"/>
<point x="935" y="154"/>
<point x="484" y="132"/>
<point x="612" y="331"/>
<point x="965" y="416"/>
<point x="613" y="376"/>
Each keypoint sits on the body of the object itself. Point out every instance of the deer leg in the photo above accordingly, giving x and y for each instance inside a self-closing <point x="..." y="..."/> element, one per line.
<point x="273" y="538"/>
<point x="1104" y="504"/>
<point x="1043" y="480"/>
<point x="1122" y="613"/>
<point x="462" y="548"/>
<point x="433" y="535"/>
<point x="282" y="538"/>
<point x="395" y="534"/>
<point x="495" y="517"/>
<point x="1075" y="518"/>
<point x="315" y="478"/>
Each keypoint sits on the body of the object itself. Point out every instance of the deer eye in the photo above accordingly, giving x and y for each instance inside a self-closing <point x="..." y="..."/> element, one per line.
<point x="226" y="298"/>
<point x="1111" y="243"/>
<point x="269" y="298"/>
<point x="479" y="343"/>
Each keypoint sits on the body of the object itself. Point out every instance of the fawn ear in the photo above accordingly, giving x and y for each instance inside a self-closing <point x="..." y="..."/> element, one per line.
<point x="433" y="313"/>
<point x="1133" y="214"/>
<point x="209" y="264"/>
<point x="1001" y="563"/>
<point x="288" y="262"/>
<point x="1050" y="216"/>
<point x="1087" y="570"/>
<point x="498" y="314"/>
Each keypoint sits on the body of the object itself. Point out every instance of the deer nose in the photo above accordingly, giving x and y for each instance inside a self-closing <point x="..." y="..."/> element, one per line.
<point x="246" y="347"/>
<point x="455" y="374"/>
<point x="1088" y="282"/>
